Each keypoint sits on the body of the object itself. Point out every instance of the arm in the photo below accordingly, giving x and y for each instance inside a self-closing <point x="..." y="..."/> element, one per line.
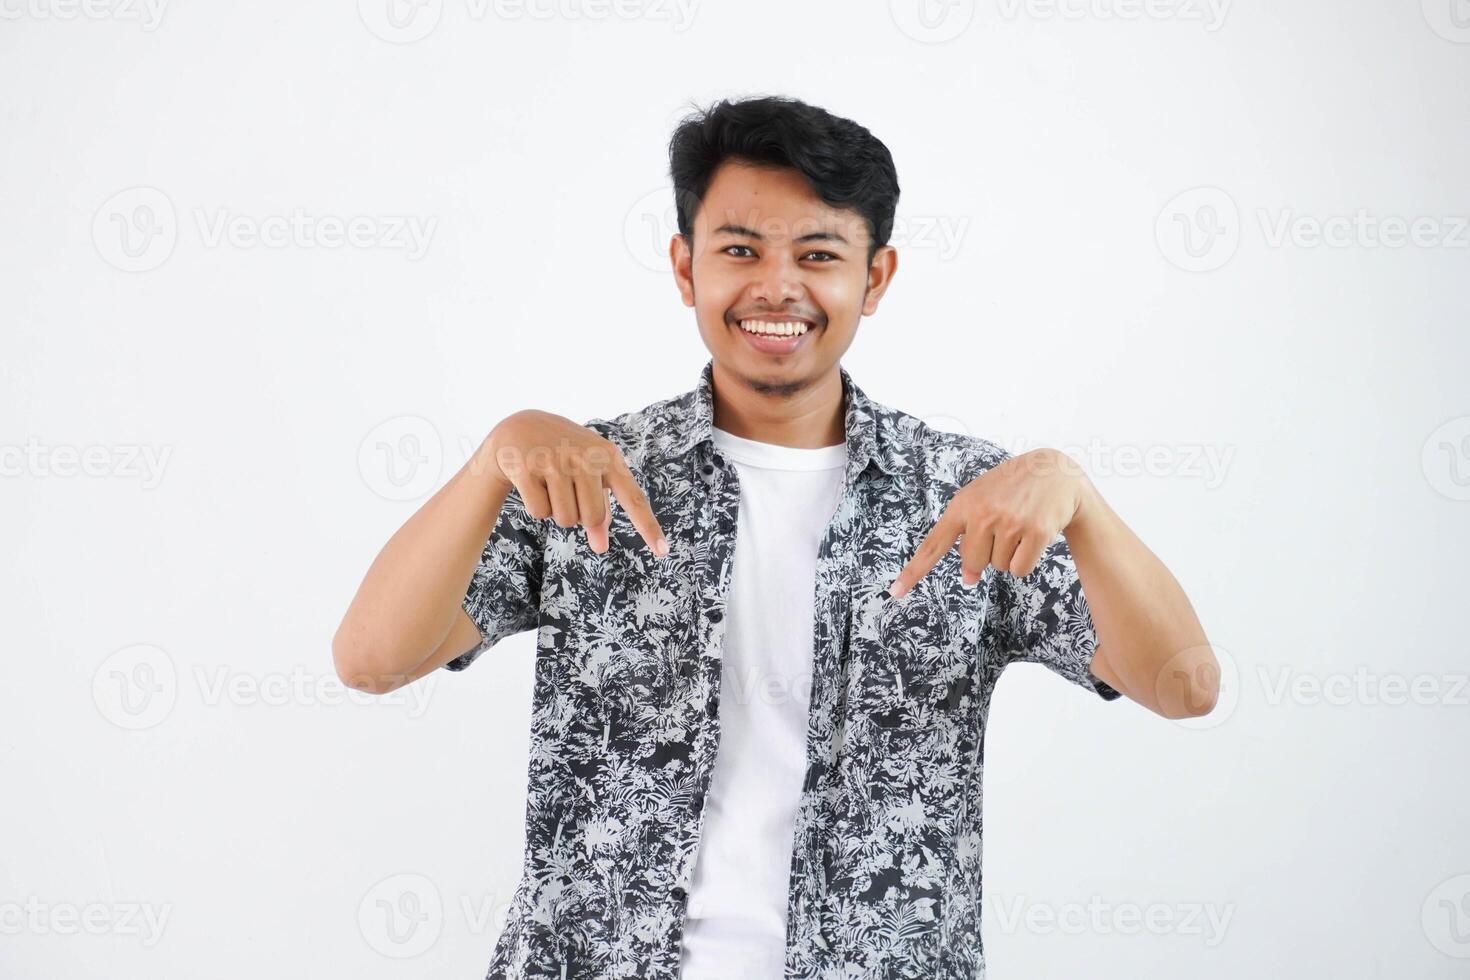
<point x="466" y="570"/>
<point x="1151" y="645"/>
<point x="407" y="619"/>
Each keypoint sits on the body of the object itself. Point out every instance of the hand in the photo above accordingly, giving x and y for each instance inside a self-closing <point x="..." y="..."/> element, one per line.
<point x="564" y="470"/>
<point x="1006" y="517"/>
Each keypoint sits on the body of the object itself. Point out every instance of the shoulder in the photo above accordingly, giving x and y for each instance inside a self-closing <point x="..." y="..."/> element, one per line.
<point x="647" y="432"/>
<point x="934" y="453"/>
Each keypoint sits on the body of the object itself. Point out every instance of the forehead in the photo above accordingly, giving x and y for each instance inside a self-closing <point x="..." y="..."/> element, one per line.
<point x="776" y="202"/>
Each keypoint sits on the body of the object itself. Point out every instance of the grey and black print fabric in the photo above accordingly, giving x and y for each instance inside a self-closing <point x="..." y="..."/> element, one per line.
<point x="886" y="878"/>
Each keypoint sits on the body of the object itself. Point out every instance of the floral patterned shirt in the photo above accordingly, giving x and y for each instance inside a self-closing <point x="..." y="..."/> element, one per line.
<point x="885" y="863"/>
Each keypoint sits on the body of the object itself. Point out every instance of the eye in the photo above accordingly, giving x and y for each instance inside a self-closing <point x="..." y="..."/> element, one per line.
<point x="826" y="256"/>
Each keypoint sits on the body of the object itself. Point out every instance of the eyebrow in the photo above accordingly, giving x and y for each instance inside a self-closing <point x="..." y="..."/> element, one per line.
<point x="816" y="236"/>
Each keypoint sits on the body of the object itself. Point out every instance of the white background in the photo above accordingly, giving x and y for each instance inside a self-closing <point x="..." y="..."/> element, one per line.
<point x="257" y="419"/>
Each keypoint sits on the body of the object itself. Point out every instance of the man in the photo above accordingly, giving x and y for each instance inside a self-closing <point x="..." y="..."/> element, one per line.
<point x="764" y="664"/>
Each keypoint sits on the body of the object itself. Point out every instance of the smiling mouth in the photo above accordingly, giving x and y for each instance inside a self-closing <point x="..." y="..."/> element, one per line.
<point x="775" y="329"/>
<point x="776" y="338"/>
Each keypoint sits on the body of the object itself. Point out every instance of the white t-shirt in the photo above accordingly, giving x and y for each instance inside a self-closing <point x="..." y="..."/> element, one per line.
<point x="735" y="926"/>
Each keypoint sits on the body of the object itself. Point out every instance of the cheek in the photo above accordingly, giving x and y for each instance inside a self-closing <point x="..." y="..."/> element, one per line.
<point x="838" y="296"/>
<point x="709" y="282"/>
<point x="714" y="297"/>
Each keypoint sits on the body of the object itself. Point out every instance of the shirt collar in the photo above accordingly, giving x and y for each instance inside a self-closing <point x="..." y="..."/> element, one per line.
<point x="867" y="440"/>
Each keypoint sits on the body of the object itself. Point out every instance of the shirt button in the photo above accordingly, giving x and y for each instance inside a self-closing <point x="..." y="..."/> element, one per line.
<point x="708" y="469"/>
<point x="679" y="893"/>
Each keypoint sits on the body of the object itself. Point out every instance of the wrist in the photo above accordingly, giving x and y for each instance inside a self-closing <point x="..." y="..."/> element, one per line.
<point x="1089" y="502"/>
<point x="485" y="469"/>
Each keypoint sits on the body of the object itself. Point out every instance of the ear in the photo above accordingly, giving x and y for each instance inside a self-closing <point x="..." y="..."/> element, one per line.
<point x="683" y="265"/>
<point x="880" y="273"/>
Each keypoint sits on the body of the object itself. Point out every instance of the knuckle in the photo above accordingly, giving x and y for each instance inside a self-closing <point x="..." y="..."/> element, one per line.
<point x="597" y="457"/>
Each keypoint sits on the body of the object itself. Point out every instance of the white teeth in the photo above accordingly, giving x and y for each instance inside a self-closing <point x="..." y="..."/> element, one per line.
<point x="794" y="329"/>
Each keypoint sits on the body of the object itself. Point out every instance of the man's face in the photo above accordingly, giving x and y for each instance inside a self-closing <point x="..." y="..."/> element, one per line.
<point x="767" y="248"/>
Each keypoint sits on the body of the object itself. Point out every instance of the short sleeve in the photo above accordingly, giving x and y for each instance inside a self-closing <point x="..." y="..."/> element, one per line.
<point x="504" y="594"/>
<point x="1043" y="618"/>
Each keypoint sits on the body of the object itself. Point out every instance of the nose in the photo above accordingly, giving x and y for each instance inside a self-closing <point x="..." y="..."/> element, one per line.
<point x="777" y="279"/>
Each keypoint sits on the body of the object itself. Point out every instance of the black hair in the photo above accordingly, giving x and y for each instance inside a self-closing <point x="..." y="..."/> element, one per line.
<point x="846" y="165"/>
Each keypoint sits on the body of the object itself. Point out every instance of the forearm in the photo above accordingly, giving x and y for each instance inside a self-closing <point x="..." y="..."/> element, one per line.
<point x="1146" y="628"/>
<point x="407" y="602"/>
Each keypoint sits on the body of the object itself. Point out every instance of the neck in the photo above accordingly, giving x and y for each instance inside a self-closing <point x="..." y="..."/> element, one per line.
<point x="807" y="414"/>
